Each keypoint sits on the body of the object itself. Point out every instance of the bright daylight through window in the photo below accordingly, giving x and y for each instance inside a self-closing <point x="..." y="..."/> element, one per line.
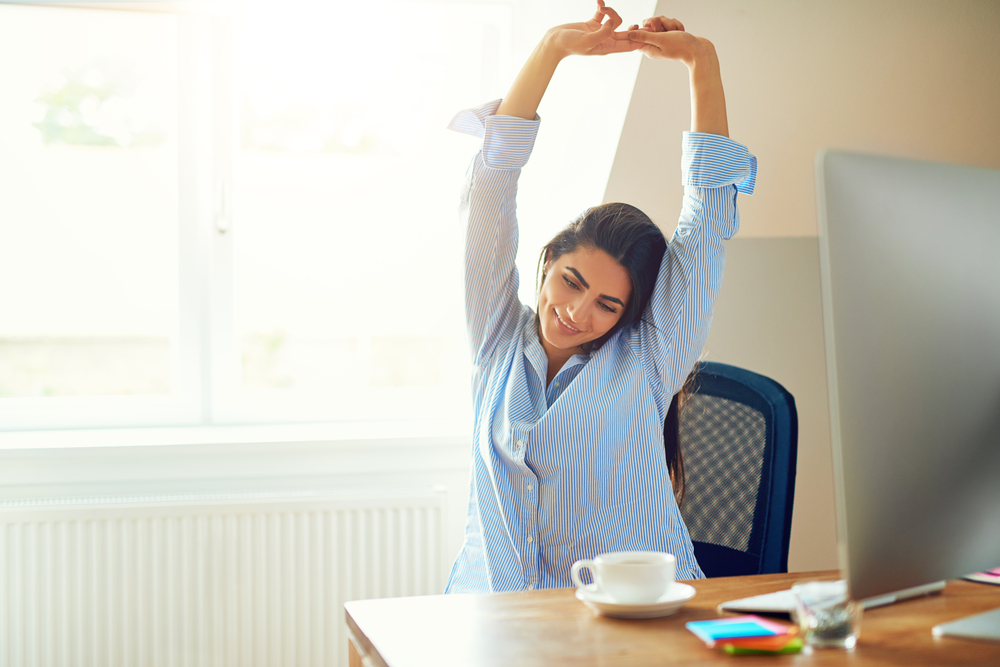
<point x="335" y="293"/>
<point x="88" y="215"/>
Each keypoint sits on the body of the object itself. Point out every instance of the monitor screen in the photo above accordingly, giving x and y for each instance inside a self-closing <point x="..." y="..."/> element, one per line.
<point x="910" y="259"/>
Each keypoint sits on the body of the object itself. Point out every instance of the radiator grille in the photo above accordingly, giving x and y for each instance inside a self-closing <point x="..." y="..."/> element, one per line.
<point x="193" y="581"/>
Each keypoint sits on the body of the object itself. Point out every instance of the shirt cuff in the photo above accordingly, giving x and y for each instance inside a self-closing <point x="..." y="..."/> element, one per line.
<point x="507" y="140"/>
<point x="713" y="161"/>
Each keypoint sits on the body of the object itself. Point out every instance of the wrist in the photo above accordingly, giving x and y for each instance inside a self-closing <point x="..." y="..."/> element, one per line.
<point x="703" y="58"/>
<point x="549" y="49"/>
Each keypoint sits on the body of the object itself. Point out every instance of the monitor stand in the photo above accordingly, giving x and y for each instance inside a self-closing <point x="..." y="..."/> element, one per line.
<point x="985" y="626"/>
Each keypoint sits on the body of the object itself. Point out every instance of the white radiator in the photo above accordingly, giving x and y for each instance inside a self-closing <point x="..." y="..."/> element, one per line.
<point x="245" y="581"/>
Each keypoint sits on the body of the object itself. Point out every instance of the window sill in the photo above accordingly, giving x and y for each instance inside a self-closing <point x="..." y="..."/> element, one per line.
<point x="358" y="457"/>
<point x="341" y="434"/>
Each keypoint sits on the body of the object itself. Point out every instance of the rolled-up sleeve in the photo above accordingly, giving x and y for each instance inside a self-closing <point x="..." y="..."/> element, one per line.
<point x="507" y="140"/>
<point x="712" y="161"/>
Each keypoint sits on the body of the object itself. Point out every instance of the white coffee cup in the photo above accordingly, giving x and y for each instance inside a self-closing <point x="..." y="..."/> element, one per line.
<point x="628" y="577"/>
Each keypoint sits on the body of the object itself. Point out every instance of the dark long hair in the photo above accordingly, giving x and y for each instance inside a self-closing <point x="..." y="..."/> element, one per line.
<point x="627" y="235"/>
<point x="634" y="241"/>
<point x="672" y="439"/>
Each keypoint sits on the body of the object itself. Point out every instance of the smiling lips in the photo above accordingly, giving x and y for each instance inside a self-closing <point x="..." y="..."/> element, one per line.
<point x="567" y="329"/>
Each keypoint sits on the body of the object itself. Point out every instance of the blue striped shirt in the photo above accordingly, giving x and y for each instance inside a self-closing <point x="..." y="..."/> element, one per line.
<point x="577" y="468"/>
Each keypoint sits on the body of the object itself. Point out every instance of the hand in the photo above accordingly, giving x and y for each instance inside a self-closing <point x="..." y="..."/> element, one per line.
<point x="596" y="37"/>
<point x="662" y="37"/>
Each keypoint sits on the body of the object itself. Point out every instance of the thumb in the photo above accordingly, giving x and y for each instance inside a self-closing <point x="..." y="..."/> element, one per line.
<point x="607" y="27"/>
<point x="644" y="36"/>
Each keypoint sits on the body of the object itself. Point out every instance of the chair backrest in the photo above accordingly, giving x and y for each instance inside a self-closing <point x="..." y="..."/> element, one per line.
<point x="739" y="437"/>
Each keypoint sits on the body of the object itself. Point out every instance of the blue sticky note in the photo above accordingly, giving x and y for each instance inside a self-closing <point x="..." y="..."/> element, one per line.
<point x="710" y="631"/>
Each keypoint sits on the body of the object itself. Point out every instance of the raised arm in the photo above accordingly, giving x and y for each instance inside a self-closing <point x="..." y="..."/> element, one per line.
<point x="714" y="169"/>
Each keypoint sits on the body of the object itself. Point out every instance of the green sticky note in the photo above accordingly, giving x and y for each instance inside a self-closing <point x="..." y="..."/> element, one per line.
<point x="794" y="646"/>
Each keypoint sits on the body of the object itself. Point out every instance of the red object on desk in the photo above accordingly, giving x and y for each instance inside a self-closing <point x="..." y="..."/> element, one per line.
<point x="988" y="577"/>
<point x="773" y="643"/>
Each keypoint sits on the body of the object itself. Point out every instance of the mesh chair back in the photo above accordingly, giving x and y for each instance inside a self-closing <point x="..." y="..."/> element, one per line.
<point x="738" y="432"/>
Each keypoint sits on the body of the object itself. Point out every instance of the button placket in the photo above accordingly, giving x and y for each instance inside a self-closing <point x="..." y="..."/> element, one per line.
<point x="518" y="444"/>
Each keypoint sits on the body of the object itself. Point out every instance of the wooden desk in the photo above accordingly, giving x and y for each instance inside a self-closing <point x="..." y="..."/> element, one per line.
<point x="552" y="627"/>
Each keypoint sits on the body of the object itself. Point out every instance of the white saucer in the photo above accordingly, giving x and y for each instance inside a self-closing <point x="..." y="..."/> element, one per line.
<point x="675" y="598"/>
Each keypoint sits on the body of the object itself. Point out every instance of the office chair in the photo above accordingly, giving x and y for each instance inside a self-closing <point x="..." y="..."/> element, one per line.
<point x="739" y="435"/>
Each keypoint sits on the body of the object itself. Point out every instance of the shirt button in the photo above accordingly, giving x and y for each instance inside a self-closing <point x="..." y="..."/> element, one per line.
<point x="530" y="487"/>
<point x="530" y="539"/>
<point x="531" y="587"/>
<point x="557" y="384"/>
<point x="518" y="443"/>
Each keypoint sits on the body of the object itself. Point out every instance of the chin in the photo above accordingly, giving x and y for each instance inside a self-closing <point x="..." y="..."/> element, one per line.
<point x="554" y="336"/>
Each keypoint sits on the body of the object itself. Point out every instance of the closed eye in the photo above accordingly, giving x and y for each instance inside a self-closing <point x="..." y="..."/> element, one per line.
<point x="571" y="283"/>
<point x="607" y="308"/>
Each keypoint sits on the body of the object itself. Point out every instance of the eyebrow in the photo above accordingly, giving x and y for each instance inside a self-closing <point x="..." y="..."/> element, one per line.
<point x="587" y="286"/>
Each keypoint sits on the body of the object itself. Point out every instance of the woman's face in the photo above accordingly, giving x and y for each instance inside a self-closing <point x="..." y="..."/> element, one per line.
<point x="583" y="296"/>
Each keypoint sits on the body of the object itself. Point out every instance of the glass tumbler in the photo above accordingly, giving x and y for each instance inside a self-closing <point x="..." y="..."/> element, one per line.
<point x="827" y="617"/>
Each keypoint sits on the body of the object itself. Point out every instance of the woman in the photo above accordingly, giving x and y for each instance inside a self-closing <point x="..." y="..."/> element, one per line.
<point x="568" y="457"/>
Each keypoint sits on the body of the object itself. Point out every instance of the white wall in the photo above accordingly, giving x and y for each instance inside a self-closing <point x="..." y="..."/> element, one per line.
<point x="911" y="78"/>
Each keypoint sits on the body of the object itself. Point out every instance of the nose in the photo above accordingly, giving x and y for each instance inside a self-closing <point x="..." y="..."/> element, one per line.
<point x="575" y="310"/>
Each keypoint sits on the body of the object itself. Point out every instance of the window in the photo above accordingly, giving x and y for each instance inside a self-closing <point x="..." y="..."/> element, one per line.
<point x="251" y="217"/>
<point x="89" y="219"/>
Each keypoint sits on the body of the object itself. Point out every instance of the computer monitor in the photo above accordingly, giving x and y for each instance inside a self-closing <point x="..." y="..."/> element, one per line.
<point x="910" y="260"/>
